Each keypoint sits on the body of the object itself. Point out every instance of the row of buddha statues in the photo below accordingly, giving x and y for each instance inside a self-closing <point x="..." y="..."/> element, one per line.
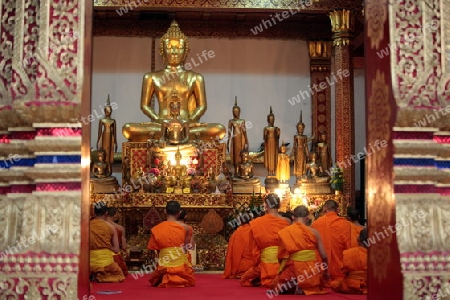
<point x="181" y="99"/>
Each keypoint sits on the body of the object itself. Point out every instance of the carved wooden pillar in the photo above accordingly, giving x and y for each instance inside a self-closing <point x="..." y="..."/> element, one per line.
<point x="321" y="82"/>
<point x="342" y="27"/>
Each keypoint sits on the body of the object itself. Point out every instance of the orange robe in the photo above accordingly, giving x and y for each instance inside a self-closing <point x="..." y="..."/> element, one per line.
<point x="355" y="270"/>
<point x="101" y="257"/>
<point x="297" y="251"/>
<point x="239" y="257"/>
<point x="264" y="246"/>
<point x="355" y="234"/>
<point x="118" y="258"/>
<point x="335" y="233"/>
<point x="173" y="268"/>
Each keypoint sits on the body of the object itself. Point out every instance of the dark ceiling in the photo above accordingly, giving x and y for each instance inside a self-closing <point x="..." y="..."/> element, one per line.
<point x="236" y="24"/>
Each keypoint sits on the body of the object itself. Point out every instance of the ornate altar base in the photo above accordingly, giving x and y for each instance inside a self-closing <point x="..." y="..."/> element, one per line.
<point x="314" y="188"/>
<point x="104" y="185"/>
<point x="137" y="209"/>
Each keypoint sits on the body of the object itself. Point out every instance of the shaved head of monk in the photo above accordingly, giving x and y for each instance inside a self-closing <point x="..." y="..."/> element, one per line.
<point x="301" y="211"/>
<point x="100" y="208"/>
<point x="173" y="208"/>
<point x="272" y="201"/>
<point x="330" y="206"/>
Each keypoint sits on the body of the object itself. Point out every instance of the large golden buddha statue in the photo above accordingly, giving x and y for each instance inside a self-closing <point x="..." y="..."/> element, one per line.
<point x="190" y="87"/>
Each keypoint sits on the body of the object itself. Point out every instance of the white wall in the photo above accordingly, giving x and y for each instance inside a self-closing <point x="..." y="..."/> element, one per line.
<point x="260" y="73"/>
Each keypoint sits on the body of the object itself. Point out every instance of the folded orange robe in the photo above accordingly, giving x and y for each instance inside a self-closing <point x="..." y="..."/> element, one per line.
<point x="263" y="243"/>
<point x="335" y="233"/>
<point x="355" y="270"/>
<point x="239" y="258"/>
<point x="297" y="251"/>
<point x="355" y="234"/>
<point x="173" y="268"/>
<point x="101" y="257"/>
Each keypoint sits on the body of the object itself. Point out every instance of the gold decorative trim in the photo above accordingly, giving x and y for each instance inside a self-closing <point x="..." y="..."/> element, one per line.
<point x="436" y="216"/>
<point x="417" y="175"/>
<point x="343" y="26"/>
<point x="54" y="221"/>
<point x="62" y="287"/>
<point x="56" y="173"/>
<point x="322" y="5"/>
<point x="426" y="286"/>
<point x="320" y="49"/>
<point x="54" y="144"/>
<point x="423" y="118"/>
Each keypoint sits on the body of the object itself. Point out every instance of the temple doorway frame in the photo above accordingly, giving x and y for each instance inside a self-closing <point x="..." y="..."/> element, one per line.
<point x="374" y="281"/>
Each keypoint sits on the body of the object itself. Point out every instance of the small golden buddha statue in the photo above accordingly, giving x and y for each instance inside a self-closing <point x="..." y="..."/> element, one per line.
<point x="174" y="130"/>
<point x="314" y="171"/>
<point x="101" y="168"/>
<point x="324" y="152"/>
<point x="179" y="170"/>
<point x="190" y="86"/>
<point x="245" y="166"/>
<point x="283" y="165"/>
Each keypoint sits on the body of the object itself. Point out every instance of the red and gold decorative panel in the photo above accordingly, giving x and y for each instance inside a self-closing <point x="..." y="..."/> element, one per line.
<point x="385" y="278"/>
<point x="40" y="82"/>
<point x="420" y="47"/>
<point x="419" y="54"/>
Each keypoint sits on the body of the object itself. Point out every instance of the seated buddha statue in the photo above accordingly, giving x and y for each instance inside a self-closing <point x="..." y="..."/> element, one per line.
<point x="245" y="166"/>
<point x="314" y="170"/>
<point x="174" y="130"/>
<point x="178" y="170"/>
<point x="101" y="168"/>
<point x="190" y="86"/>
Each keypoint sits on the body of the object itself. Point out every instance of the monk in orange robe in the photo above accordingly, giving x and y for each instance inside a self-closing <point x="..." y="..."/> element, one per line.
<point x="118" y="258"/>
<point x="354" y="269"/>
<point x="335" y="232"/>
<point x="353" y="218"/>
<point x="189" y="234"/>
<point x="103" y="245"/>
<point x="239" y="256"/>
<point x="264" y="244"/>
<point x="169" y="238"/>
<point x="300" y="272"/>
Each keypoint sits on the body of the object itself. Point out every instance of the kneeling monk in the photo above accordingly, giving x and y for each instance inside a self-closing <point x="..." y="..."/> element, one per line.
<point x="264" y="244"/>
<point x="300" y="271"/>
<point x="103" y="245"/>
<point x="169" y="238"/>
<point x="239" y="256"/>
<point x="354" y="268"/>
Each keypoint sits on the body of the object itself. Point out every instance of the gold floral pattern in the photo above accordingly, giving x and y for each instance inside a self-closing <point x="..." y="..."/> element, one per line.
<point x="380" y="165"/>
<point x="376" y="16"/>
